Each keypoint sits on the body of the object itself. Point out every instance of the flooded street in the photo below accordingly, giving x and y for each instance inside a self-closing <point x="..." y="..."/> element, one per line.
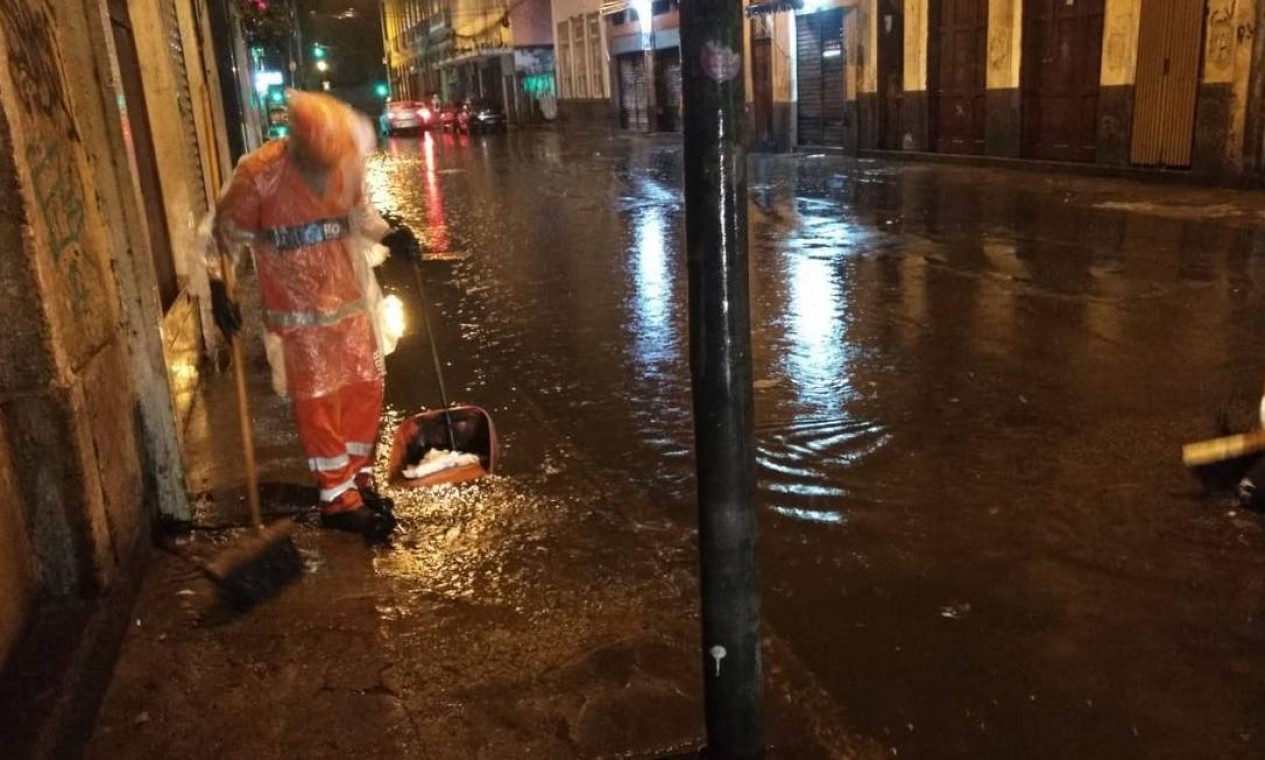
<point x="972" y="387"/>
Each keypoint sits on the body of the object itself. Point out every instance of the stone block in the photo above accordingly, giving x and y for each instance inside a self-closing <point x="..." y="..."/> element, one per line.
<point x="26" y="356"/>
<point x="51" y="449"/>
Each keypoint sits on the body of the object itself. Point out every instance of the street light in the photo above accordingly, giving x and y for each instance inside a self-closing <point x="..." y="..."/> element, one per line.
<point x="322" y="66"/>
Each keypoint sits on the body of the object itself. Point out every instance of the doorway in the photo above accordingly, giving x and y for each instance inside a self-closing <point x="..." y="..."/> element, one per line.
<point x="891" y="73"/>
<point x="1170" y="38"/>
<point x="1062" y="62"/>
<point x="820" y="78"/>
<point x="956" y="69"/>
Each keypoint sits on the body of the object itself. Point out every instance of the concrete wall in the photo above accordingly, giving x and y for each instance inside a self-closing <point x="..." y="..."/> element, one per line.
<point x="531" y="23"/>
<point x="1222" y="104"/>
<point x="1005" y="43"/>
<point x="582" y="110"/>
<point x="1119" y="67"/>
<point x="66" y="395"/>
<point x="17" y="572"/>
<point x="89" y="445"/>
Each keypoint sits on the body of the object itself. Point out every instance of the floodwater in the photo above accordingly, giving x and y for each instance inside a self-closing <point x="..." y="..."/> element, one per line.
<point x="971" y="390"/>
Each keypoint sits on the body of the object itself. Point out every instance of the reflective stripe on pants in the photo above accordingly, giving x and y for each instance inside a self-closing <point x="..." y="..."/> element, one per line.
<point x="329" y="428"/>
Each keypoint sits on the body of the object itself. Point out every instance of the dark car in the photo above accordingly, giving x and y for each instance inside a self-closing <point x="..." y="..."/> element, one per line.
<point x="485" y="116"/>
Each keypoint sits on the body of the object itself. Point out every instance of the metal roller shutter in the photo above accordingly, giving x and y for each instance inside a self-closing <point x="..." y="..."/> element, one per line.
<point x="1170" y="38"/>
<point x="633" y="103"/>
<point x="184" y="103"/>
<point x="820" y="78"/>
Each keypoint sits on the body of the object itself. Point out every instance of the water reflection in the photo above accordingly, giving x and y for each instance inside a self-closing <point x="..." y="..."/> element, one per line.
<point x="654" y="342"/>
<point x="436" y="233"/>
<point x="808" y="438"/>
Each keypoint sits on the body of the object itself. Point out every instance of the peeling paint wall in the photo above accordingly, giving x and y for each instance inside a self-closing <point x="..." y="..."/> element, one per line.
<point x="916" y="45"/>
<point x="1120" y="42"/>
<point x="66" y="441"/>
<point x="88" y="441"/>
<point x="1005" y="43"/>
<point x="1221" y="109"/>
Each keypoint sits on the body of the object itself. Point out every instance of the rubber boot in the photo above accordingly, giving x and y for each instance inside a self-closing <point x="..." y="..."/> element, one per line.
<point x="372" y="499"/>
<point x="349" y="513"/>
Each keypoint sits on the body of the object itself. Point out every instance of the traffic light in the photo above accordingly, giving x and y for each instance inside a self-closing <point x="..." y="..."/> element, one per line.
<point x="382" y="90"/>
<point x="318" y="51"/>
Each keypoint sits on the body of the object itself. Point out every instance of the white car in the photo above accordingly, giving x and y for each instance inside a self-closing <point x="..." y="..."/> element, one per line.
<point x="406" y="115"/>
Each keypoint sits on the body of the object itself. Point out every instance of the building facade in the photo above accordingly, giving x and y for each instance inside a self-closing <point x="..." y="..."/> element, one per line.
<point x="497" y="50"/>
<point x="1173" y="84"/>
<point x="583" y="63"/>
<point x="114" y="142"/>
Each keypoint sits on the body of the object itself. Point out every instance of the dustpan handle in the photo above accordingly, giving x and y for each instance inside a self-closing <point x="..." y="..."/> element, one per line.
<point x="434" y="351"/>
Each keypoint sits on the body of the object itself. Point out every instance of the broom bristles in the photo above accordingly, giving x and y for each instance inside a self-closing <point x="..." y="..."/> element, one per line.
<point x="258" y="566"/>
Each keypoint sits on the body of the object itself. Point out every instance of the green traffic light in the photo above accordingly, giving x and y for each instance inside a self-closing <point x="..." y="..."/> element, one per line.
<point x="278" y="96"/>
<point x="318" y="52"/>
<point x="382" y="90"/>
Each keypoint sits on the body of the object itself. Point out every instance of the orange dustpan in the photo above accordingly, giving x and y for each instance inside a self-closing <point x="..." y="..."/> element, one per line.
<point x="461" y="428"/>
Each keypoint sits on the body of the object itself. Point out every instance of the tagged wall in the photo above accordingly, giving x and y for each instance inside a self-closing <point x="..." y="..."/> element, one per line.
<point x="68" y="406"/>
<point x="1230" y="30"/>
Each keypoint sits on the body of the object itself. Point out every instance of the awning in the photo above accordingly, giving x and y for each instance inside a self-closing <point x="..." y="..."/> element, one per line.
<point x="611" y="7"/>
<point x="773" y="6"/>
<point x="472" y="56"/>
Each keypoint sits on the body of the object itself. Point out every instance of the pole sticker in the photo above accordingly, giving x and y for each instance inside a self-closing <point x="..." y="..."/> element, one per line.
<point x="720" y="62"/>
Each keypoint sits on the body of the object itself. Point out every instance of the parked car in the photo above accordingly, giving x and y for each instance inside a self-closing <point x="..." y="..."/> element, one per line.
<point x="485" y="116"/>
<point x="406" y="115"/>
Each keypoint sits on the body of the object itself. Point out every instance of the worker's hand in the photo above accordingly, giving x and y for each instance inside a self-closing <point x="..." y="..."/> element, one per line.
<point x="227" y="314"/>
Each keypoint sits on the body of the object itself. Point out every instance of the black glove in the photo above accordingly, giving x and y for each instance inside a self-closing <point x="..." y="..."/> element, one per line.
<point x="227" y="314"/>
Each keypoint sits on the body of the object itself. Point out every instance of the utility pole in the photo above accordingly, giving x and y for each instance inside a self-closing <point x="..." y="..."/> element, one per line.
<point x="720" y="366"/>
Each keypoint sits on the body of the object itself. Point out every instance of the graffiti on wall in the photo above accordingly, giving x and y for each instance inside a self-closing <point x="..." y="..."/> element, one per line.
<point x="32" y="64"/>
<point x="56" y="180"/>
<point x="1221" y="35"/>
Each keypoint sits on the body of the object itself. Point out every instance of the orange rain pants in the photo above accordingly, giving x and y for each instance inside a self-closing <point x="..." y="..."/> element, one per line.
<point x="339" y="432"/>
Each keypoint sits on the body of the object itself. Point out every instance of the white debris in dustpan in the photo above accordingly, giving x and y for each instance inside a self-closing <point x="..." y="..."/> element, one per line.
<point x="438" y="460"/>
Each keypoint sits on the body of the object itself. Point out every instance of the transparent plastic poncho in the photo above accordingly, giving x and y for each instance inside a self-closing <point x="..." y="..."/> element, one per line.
<point x="313" y="238"/>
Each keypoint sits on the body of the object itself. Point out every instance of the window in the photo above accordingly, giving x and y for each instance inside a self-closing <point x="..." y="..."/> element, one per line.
<point x="597" y="57"/>
<point x="564" y="59"/>
<point x="579" y="61"/>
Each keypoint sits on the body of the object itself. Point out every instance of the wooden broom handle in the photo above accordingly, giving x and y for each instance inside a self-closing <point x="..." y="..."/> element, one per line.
<point x="243" y="403"/>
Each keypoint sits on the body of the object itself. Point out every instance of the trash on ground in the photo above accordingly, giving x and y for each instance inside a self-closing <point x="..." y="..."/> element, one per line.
<point x="438" y="460"/>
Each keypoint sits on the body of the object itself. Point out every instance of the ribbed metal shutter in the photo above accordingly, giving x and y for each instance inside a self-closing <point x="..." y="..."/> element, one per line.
<point x="1169" y="41"/>
<point x="820" y="78"/>
<point x="668" y="89"/>
<point x="808" y="81"/>
<point x="184" y="104"/>
<point x="633" y="101"/>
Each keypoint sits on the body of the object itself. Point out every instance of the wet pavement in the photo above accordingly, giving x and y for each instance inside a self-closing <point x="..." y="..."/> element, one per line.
<point x="977" y="538"/>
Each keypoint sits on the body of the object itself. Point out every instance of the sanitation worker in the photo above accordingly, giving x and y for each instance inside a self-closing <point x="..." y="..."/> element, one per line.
<point x="299" y="204"/>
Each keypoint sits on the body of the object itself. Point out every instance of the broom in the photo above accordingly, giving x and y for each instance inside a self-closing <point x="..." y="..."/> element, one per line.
<point x="259" y="565"/>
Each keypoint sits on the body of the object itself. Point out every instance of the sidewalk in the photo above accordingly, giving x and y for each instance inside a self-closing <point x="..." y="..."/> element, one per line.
<point x="539" y="613"/>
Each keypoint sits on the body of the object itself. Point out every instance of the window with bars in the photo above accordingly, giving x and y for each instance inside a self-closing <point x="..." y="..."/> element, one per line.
<point x="564" y="59"/>
<point x="579" y="61"/>
<point x="597" y="60"/>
